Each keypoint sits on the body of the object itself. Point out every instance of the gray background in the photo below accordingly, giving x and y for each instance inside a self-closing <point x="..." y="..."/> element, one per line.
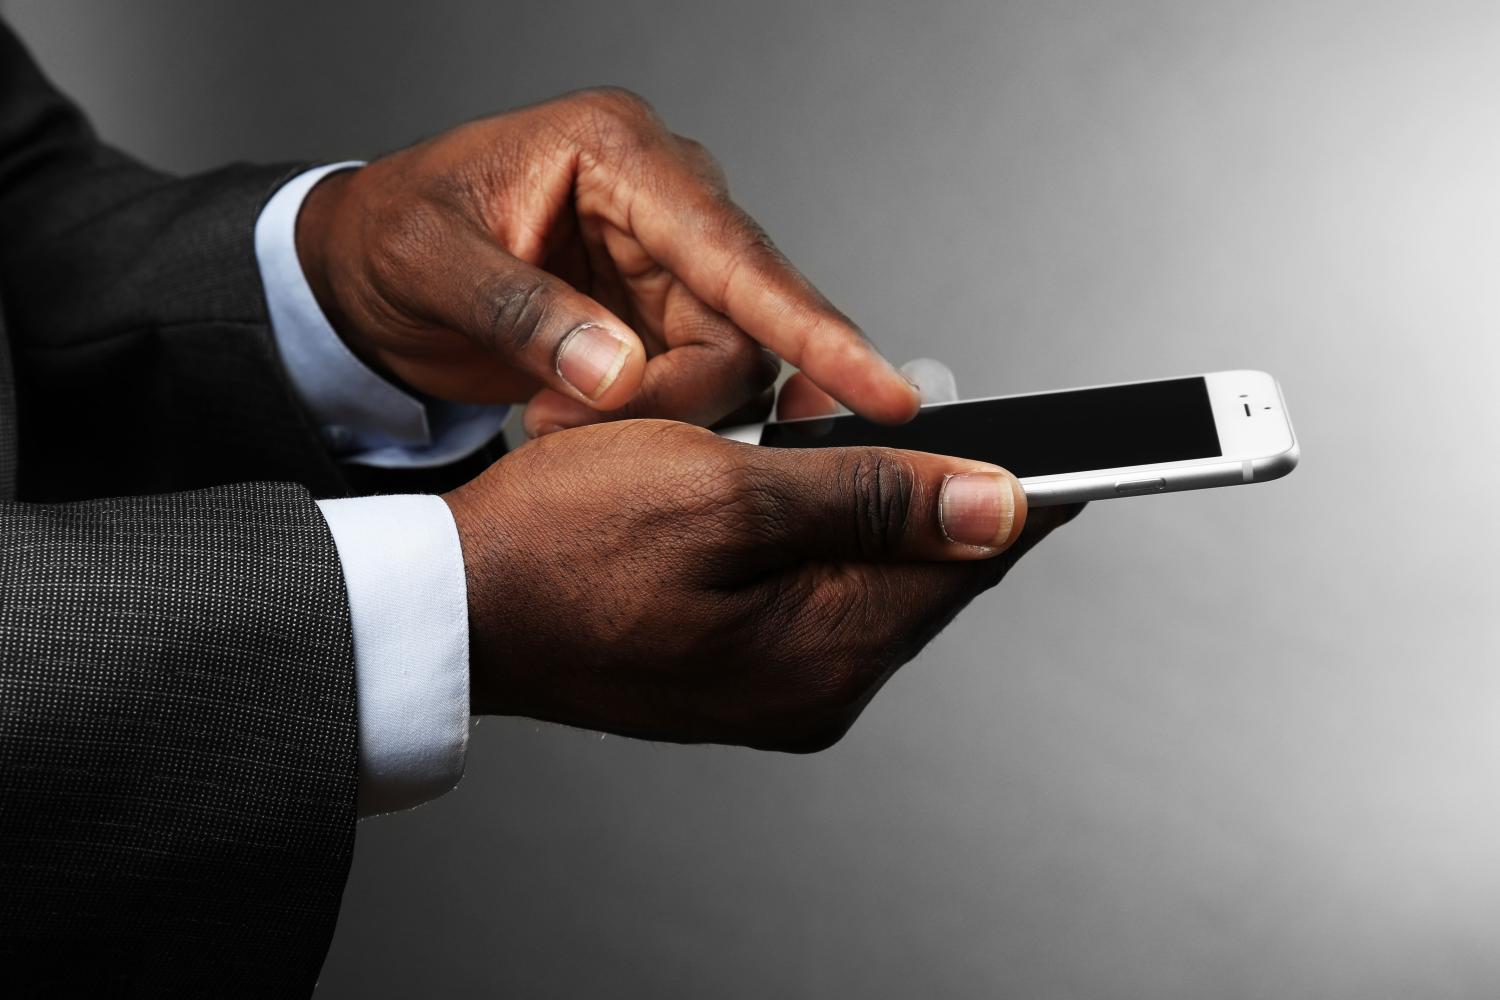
<point x="1243" y="743"/>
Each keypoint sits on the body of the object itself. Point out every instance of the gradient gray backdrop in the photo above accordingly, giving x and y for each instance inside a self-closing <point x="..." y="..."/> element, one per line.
<point x="1242" y="743"/>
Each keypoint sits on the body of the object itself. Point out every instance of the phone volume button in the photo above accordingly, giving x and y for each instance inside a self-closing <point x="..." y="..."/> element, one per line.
<point x="1135" y="487"/>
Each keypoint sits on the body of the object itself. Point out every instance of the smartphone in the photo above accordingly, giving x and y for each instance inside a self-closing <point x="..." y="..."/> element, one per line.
<point x="1125" y="439"/>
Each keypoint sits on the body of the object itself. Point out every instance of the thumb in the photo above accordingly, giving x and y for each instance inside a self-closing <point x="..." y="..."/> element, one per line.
<point x="537" y="323"/>
<point x="868" y="504"/>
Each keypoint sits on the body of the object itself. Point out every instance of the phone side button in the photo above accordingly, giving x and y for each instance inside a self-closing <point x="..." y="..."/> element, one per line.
<point x="1135" y="487"/>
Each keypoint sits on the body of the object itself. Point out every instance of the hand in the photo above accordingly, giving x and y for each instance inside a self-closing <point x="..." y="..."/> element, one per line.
<point x="548" y="253"/>
<point x="648" y="578"/>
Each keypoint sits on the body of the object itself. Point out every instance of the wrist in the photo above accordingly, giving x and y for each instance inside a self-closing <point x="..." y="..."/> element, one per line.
<point x="316" y="240"/>
<point x="472" y="525"/>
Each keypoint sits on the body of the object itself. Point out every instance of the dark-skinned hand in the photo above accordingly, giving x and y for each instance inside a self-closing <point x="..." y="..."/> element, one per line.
<point x="648" y="578"/>
<point x="579" y="255"/>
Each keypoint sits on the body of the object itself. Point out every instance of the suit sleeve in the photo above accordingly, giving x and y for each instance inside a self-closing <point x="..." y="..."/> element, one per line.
<point x="142" y="355"/>
<point x="177" y="744"/>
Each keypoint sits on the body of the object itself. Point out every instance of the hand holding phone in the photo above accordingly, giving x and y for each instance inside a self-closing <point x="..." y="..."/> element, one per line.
<point x="1093" y="443"/>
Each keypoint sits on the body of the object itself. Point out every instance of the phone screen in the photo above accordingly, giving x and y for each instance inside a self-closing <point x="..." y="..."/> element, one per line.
<point x="1041" y="435"/>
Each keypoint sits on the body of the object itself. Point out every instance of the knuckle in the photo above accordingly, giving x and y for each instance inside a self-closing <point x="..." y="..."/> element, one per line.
<point x="621" y="99"/>
<point x="693" y="148"/>
<point x="881" y="490"/>
<point x="703" y="163"/>
<point x="513" y="314"/>
<point x="619" y="107"/>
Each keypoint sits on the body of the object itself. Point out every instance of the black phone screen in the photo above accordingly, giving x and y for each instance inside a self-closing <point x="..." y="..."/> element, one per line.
<point x="1042" y="435"/>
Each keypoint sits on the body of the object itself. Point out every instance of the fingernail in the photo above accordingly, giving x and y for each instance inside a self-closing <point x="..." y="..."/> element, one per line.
<point x="590" y="358"/>
<point x="977" y="508"/>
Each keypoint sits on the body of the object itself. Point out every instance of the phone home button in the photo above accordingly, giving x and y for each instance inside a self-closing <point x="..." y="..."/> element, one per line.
<point x="1135" y="487"/>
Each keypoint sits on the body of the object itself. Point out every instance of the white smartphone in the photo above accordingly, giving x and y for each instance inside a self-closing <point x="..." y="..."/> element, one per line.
<point x="1125" y="439"/>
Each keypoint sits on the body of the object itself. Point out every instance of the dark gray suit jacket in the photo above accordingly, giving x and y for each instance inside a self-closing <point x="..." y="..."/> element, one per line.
<point x="177" y="717"/>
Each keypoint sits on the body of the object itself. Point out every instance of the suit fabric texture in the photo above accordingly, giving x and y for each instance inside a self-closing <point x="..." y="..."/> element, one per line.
<point x="178" y="756"/>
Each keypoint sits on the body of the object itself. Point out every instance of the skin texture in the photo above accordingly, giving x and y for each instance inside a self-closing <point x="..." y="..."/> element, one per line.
<point x="651" y="579"/>
<point x="460" y="266"/>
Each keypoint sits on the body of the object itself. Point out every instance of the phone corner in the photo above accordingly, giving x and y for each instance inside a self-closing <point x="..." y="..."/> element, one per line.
<point x="1271" y="467"/>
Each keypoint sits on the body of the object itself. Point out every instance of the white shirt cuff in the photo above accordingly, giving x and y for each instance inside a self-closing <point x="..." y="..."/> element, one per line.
<point x="363" y="418"/>
<point x="408" y="604"/>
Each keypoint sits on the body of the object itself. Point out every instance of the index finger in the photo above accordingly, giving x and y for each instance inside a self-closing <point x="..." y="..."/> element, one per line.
<point x="724" y="257"/>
